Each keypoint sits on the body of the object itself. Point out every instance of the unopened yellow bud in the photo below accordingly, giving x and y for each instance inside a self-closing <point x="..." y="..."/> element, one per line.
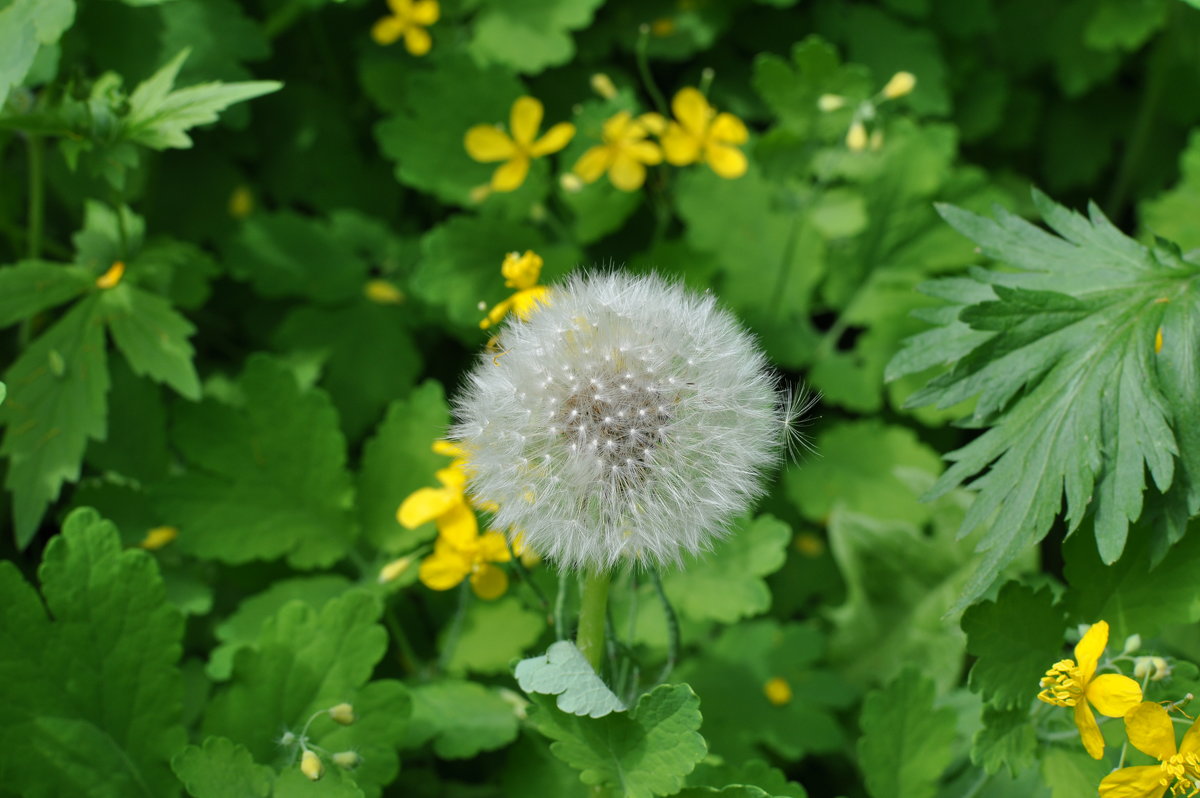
<point x="901" y="84"/>
<point x="158" y="537"/>
<point x="342" y="713"/>
<point x="1158" y="341"/>
<point x="480" y="193"/>
<point x="856" y="137"/>
<point x="602" y="84"/>
<point x="111" y="277"/>
<point x="831" y="102"/>
<point x="1132" y="644"/>
<point x="571" y="182"/>
<point x="1156" y="668"/>
<point x="876" y="143"/>
<point x="382" y="292"/>
<point x="393" y="570"/>
<point x="347" y="759"/>
<point x="241" y="202"/>
<point x="311" y="765"/>
<point x="778" y="691"/>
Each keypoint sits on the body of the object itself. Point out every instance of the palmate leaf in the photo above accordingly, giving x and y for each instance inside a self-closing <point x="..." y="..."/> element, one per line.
<point x="1082" y="358"/>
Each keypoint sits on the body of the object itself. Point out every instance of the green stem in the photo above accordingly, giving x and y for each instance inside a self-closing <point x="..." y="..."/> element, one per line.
<point x="643" y="64"/>
<point x="672" y="627"/>
<point x="37" y="197"/>
<point x="593" y="617"/>
<point x="454" y="632"/>
<point x="560" y="604"/>
<point x="406" y="654"/>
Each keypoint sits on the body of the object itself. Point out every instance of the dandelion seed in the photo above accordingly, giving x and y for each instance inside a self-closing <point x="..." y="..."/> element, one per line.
<point x="630" y="420"/>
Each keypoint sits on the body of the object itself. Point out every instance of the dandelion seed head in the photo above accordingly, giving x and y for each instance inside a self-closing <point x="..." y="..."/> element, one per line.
<point x="629" y="419"/>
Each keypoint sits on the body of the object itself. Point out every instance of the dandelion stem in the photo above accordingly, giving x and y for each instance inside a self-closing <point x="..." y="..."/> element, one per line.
<point x="454" y="631"/>
<point x="672" y="627"/>
<point x="560" y="603"/>
<point x="593" y="617"/>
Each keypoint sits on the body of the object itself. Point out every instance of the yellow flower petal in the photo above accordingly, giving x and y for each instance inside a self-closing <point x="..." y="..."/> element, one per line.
<point x="616" y="127"/>
<point x="417" y="40"/>
<point x="653" y="123"/>
<point x="593" y="163"/>
<point x="425" y="12"/>
<point x="459" y="527"/>
<point x="453" y="478"/>
<point x="1090" y="647"/>
<point x="1191" y="739"/>
<point x="1113" y="694"/>
<point x="1089" y="730"/>
<point x="647" y="152"/>
<point x="448" y="448"/>
<point x="1135" y="782"/>
<point x="728" y="162"/>
<point x="387" y="30"/>
<point x="443" y="569"/>
<point x="729" y="129"/>
<point x="692" y="111"/>
<point x="527" y="301"/>
<point x="626" y="173"/>
<point x="488" y="143"/>
<point x="521" y="271"/>
<point x="1150" y="730"/>
<point x="425" y="505"/>
<point x="489" y="582"/>
<point x="679" y="148"/>
<point x="401" y="8"/>
<point x="497" y="313"/>
<point x="524" y="120"/>
<point x="555" y="139"/>
<point x="511" y="175"/>
<point x="493" y="548"/>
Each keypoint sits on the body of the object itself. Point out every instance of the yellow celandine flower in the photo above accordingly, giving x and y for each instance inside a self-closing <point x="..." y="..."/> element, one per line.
<point x="1151" y="731"/>
<point x="158" y="537"/>
<point x="489" y="143"/>
<point x="778" y="691"/>
<point x="112" y="277"/>
<point x="1073" y="683"/>
<point x="458" y="556"/>
<point x="520" y="272"/>
<point x="447" y="506"/>
<point x="625" y="153"/>
<point x="409" y="19"/>
<point x="700" y="133"/>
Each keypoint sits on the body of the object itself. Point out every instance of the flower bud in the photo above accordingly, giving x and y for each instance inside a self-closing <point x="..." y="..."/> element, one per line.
<point x="241" y="202"/>
<point x="1132" y="644"/>
<point x="1156" y="668"/>
<point x="158" y="537"/>
<point x="778" y="691"/>
<point x="311" y="765"/>
<point x="382" y="292"/>
<point x="901" y="84"/>
<point x="111" y="277"/>
<point x="342" y="713"/>
<point x="347" y="759"/>
<point x="856" y="137"/>
<point x="287" y="739"/>
<point x="831" y="102"/>
<point x="602" y="84"/>
<point x="876" y="142"/>
<point x="571" y="183"/>
<point x="393" y="570"/>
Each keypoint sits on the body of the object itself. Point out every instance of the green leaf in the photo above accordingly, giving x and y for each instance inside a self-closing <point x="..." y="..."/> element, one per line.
<point x="268" y="478"/>
<point x="460" y="719"/>
<point x="31" y="286"/>
<point x="153" y="337"/>
<point x="905" y="745"/>
<point x="726" y="584"/>
<point x="1175" y="214"/>
<point x="792" y="89"/>
<point x="160" y="117"/>
<point x="91" y="692"/>
<point x="58" y="389"/>
<point x="845" y="475"/>
<point x="887" y="45"/>
<point x="493" y="634"/>
<point x="644" y="752"/>
<point x="25" y="26"/>
<point x="135" y="445"/>
<point x="397" y="461"/>
<point x="221" y="768"/>
<point x="564" y="672"/>
<point x="531" y="35"/>
<point x="109" y="234"/>
<point x="1006" y="739"/>
<point x="367" y="353"/>
<point x="242" y="628"/>
<point x="1015" y="639"/>
<point x="770" y="780"/>
<point x="336" y="783"/>
<point x="1067" y="381"/>
<point x="1072" y="774"/>
<point x="731" y="676"/>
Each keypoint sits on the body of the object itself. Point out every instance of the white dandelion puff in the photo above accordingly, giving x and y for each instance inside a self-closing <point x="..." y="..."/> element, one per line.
<point x="629" y="419"/>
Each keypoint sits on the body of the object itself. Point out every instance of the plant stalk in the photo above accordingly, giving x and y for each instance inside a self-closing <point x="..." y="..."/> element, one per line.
<point x="593" y="617"/>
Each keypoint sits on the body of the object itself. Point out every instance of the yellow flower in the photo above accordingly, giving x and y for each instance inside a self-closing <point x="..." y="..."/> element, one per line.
<point x="1068" y="684"/>
<point x="489" y="143"/>
<point x="625" y="153"/>
<point x="112" y="277"/>
<point x="446" y="506"/>
<point x="382" y="292"/>
<point x="778" y="691"/>
<point x="520" y="272"/>
<point x="700" y="133"/>
<point x="1150" y="730"/>
<point x="158" y="537"/>
<point x="461" y="556"/>
<point x="409" y="19"/>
